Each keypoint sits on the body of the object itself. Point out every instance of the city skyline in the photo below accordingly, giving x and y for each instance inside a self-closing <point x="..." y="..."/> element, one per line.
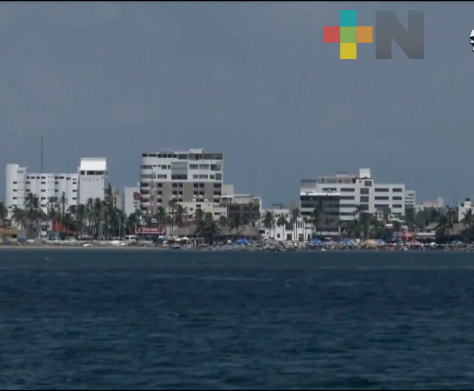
<point x="254" y="81"/>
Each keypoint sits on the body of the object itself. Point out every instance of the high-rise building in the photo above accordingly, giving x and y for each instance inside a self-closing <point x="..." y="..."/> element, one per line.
<point x="184" y="176"/>
<point x="93" y="179"/>
<point x="88" y="182"/>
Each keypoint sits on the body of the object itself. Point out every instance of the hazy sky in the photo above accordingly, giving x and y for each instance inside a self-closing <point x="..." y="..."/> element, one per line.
<point x="253" y="80"/>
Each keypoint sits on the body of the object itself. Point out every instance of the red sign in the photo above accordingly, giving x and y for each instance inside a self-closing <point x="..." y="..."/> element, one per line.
<point x="150" y="231"/>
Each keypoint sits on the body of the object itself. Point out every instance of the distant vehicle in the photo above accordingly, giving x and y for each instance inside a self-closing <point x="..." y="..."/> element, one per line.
<point x="472" y="39"/>
<point x="131" y="238"/>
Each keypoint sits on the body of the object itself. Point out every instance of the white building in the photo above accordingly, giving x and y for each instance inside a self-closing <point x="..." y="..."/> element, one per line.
<point x="131" y="200"/>
<point x="93" y="179"/>
<point x="359" y="190"/>
<point x="301" y="230"/>
<point x="20" y="183"/>
<point x="438" y="204"/>
<point x="47" y="186"/>
<point x="463" y="208"/>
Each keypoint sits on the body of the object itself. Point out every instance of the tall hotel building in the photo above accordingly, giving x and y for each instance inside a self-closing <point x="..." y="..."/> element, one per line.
<point x="88" y="182"/>
<point x="185" y="176"/>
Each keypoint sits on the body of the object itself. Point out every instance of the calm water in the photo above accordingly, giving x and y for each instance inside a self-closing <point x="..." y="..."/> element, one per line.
<point x="143" y="320"/>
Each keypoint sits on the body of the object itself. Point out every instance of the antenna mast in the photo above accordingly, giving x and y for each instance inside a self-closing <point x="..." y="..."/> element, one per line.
<point x="42" y="154"/>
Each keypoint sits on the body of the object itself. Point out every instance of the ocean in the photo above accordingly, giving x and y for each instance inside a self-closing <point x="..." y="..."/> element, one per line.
<point x="88" y="319"/>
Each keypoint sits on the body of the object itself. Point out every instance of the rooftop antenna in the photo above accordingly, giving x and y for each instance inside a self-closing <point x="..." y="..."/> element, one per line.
<point x="42" y="154"/>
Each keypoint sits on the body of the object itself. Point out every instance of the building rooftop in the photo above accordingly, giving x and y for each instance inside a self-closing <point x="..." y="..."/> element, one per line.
<point x="314" y="193"/>
<point x="93" y="164"/>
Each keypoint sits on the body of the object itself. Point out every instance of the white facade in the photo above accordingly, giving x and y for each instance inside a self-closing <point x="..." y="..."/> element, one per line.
<point x="217" y="210"/>
<point x="463" y="208"/>
<point x="360" y="190"/>
<point x="20" y="183"/>
<point x="131" y="200"/>
<point x="93" y="179"/>
<point x="438" y="204"/>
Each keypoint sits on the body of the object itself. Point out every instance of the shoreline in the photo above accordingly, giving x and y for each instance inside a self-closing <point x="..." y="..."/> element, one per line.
<point x="219" y="250"/>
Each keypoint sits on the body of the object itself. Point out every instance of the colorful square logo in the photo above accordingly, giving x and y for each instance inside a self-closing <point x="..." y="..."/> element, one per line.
<point x="348" y="34"/>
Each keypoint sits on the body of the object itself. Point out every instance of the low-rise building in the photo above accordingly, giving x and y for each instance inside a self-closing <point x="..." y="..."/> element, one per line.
<point x="131" y="200"/>
<point x="359" y="192"/>
<point x="328" y="205"/>
<point x="464" y="208"/>
<point x="437" y="204"/>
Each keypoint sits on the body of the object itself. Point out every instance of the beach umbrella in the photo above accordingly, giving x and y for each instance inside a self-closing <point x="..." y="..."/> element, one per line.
<point x="242" y="241"/>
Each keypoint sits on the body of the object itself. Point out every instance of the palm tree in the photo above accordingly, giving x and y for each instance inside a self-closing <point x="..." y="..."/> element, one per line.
<point x="132" y="223"/>
<point x="3" y="213"/>
<point x="179" y="214"/>
<point x="317" y="217"/>
<point x="410" y="218"/>
<point x="81" y="214"/>
<point x="468" y="221"/>
<point x="161" y="216"/>
<point x="269" y="222"/>
<point x="223" y="222"/>
<point x="172" y="204"/>
<point x="207" y="228"/>
<point x="444" y="227"/>
<point x="34" y="212"/>
<point x="97" y="214"/>
<point x="19" y="216"/>
<point x="295" y="215"/>
<point x="236" y="223"/>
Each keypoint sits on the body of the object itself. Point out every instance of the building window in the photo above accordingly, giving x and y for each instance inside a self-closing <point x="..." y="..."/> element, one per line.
<point x="364" y="199"/>
<point x="193" y="166"/>
<point x="217" y="185"/>
<point x="179" y="177"/>
<point x="381" y="190"/>
<point x="381" y="198"/>
<point x="14" y="190"/>
<point x="347" y="190"/>
<point x="368" y="183"/>
<point x="397" y="206"/>
<point x="397" y="198"/>
<point x="364" y="191"/>
<point x="74" y="191"/>
<point x="397" y="190"/>
<point x="218" y="177"/>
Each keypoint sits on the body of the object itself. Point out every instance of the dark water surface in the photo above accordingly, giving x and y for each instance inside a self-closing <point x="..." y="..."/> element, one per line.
<point x="178" y="320"/>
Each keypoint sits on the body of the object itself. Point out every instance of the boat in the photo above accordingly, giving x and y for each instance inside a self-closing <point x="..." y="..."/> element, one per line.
<point x="176" y="247"/>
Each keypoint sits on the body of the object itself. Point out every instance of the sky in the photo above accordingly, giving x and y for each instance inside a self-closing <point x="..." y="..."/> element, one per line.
<point x="252" y="80"/>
